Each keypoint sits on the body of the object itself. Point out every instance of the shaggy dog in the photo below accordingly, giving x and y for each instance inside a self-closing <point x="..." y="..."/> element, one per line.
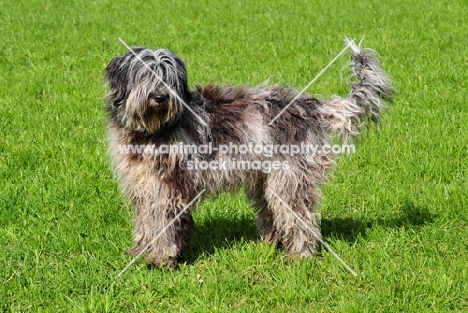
<point x="150" y="108"/>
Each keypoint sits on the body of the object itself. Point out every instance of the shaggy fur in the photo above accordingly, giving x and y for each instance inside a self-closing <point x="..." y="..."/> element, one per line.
<point x="149" y="103"/>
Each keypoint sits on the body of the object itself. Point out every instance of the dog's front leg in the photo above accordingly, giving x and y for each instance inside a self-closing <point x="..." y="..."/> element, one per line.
<point x="161" y="231"/>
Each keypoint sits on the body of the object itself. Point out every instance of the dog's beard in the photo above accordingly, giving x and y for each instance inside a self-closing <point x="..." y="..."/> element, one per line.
<point x="150" y="111"/>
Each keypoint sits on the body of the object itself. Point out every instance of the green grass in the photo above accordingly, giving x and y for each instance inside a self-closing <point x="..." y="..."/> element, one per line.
<point x="396" y="211"/>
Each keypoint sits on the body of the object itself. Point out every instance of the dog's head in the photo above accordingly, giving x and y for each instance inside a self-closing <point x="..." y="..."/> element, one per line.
<point x="147" y="89"/>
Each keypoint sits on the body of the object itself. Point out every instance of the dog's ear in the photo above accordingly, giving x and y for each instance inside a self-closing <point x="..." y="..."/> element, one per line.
<point x="182" y="76"/>
<point x="115" y="75"/>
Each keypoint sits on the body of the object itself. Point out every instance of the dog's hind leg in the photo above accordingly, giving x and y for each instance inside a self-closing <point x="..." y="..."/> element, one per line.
<point x="265" y="219"/>
<point x="255" y="191"/>
<point x="265" y="222"/>
<point x="291" y="200"/>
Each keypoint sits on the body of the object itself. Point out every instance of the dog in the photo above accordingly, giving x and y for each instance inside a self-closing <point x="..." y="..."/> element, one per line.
<point x="149" y="104"/>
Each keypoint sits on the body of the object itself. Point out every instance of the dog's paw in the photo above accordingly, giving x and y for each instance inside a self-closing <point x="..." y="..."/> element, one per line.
<point x="163" y="262"/>
<point x="135" y="250"/>
<point x="304" y="250"/>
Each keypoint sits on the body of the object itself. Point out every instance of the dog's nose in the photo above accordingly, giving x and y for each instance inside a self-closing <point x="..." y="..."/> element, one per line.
<point x="160" y="98"/>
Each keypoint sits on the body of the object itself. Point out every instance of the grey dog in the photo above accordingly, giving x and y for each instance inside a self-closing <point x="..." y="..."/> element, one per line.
<point x="150" y="104"/>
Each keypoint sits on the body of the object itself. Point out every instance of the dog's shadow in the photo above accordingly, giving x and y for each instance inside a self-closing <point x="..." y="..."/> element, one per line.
<point x="348" y="229"/>
<point x="220" y="232"/>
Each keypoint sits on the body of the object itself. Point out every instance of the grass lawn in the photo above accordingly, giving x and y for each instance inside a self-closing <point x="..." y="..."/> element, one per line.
<point x="396" y="211"/>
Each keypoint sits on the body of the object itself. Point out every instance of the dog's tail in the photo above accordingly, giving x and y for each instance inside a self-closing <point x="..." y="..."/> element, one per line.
<point x="370" y="87"/>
